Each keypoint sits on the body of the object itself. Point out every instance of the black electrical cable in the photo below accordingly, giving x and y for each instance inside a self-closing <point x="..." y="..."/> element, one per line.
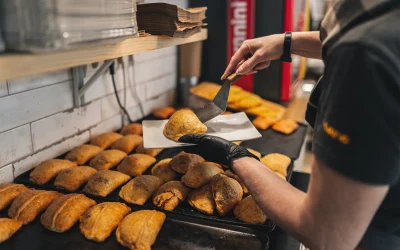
<point x="112" y="73"/>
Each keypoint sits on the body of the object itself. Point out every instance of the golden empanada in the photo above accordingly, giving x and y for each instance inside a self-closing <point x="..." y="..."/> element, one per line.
<point x="201" y="174"/>
<point x="236" y="89"/>
<point x="170" y="195"/>
<point x="99" y="221"/>
<point x="263" y="123"/>
<point x="47" y="170"/>
<point x="136" y="164"/>
<point x="151" y="151"/>
<point x="254" y="152"/>
<point x="285" y="126"/>
<point x="104" y="182"/>
<point x="202" y="199"/>
<point x="127" y="143"/>
<point x="248" y="101"/>
<point x="182" y="161"/>
<point x="227" y="113"/>
<point x="235" y="97"/>
<point x="183" y="122"/>
<point x="8" y="192"/>
<point x="163" y="171"/>
<point x="164" y="112"/>
<point x="248" y="211"/>
<point x="30" y="204"/>
<point x="277" y="163"/>
<point x="132" y="129"/>
<point x="83" y="153"/>
<point x="139" y="230"/>
<point x="233" y="176"/>
<point x="280" y="175"/>
<point x="264" y="111"/>
<point x="8" y="227"/>
<point x="140" y="189"/>
<point x="105" y="140"/>
<point x="71" y="179"/>
<point x="107" y="159"/>
<point x="64" y="212"/>
<point x="227" y="192"/>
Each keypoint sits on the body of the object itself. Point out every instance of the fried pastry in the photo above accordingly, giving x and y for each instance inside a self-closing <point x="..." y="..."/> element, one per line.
<point x="64" y="212"/>
<point x="201" y="174"/>
<point x="248" y="211"/>
<point x="237" y="142"/>
<point x="280" y="175"/>
<point x="265" y="111"/>
<point x="140" y="189"/>
<point x="233" y="176"/>
<point x="127" y="143"/>
<point x="105" y="140"/>
<point x="8" y="227"/>
<point x="71" y="179"/>
<point x="99" y="221"/>
<point x="285" y="126"/>
<point x="139" y="230"/>
<point x="235" y="97"/>
<point x="151" y="151"/>
<point x="227" y="113"/>
<point x="8" y="192"/>
<point x="163" y="171"/>
<point x="164" y="112"/>
<point x="47" y="170"/>
<point x="132" y="129"/>
<point x="104" y="182"/>
<point x="227" y="192"/>
<point x="248" y="101"/>
<point x="83" y="153"/>
<point x="30" y="204"/>
<point x="263" y="123"/>
<point x="107" y="159"/>
<point x="254" y="152"/>
<point x="136" y="164"/>
<point x="183" y="122"/>
<point x="202" y="199"/>
<point x="183" y="161"/>
<point x="236" y="89"/>
<point x="170" y="195"/>
<point x="277" y="163"/>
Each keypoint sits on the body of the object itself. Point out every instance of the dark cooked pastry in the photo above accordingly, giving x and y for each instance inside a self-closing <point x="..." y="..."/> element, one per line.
<point x="107" y="159"/>
<point x="8" y="227"/>
<point x="71" y="179"/>
<point x="132" y="129"/>
<point x="227" y="192"/>
<point x="164" y="171"/>
<point x="151" y="151"/>
<point x="64" y="212"/>
<point x="183" y="122"/>
<point x="139" y="230"/>
<point x="278" y="163"/>
<point x="201" y="174"/>
<point x="140" y="189"/>
<point x="164" y="112"/>
<point x="99" y="221"/>
<point x="182" y="161"/>
<point x="105" y="140"/>
<point x="127" y="143"/>
<point x="136" y="164"/>
<point x="83" y="153"/>
<point x="202" y="199"/>
<point x="104" y="182"/>
<point x="233" y="176"/>
<point x="30" y="204"/>
<point x="248" y="211"/>
<point x="170" y="195"/>
<point x="8" y="192"/>
<point x="47" y="170"/>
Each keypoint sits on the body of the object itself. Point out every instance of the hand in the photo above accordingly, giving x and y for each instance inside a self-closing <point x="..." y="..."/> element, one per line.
<point x="215" y="149"/>
<point x="262" y="51"/>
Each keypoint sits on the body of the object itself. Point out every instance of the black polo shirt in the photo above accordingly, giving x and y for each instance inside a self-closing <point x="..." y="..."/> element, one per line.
<point x="355" y="112"/>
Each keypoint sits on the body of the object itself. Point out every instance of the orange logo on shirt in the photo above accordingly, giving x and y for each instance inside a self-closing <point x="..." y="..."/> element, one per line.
<point x="336" y="135"/>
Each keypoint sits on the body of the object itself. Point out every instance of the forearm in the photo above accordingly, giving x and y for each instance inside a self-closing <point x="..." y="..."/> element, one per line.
<point x="307" y="44"/>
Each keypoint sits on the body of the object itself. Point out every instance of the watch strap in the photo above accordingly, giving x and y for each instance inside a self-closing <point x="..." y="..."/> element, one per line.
<point x="287" y="44"/>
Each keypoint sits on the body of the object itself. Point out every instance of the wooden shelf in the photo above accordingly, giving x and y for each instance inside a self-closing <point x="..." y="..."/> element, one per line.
<point x="14" y="65"/>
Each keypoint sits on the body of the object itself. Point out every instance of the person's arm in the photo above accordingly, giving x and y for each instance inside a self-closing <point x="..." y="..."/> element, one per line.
<point x="306" y="44"/>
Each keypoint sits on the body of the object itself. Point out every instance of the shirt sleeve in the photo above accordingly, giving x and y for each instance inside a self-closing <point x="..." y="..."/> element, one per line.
<point x="357" y="130"/>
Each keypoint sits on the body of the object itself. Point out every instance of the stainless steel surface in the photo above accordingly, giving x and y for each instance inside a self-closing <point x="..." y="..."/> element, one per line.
<point x="185" y="83"/>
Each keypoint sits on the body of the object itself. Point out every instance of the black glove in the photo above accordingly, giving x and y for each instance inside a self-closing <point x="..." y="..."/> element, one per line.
<point x="215" y="149"/>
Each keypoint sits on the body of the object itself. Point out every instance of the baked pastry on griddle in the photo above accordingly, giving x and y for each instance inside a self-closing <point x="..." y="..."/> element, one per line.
<point x="71" y="179"/>
<point x="248" y="211"/>
<point x="132" y="129"/>
<point x="49" y="169"/>
<point x="183" y="161"/>
<point x="64" y="212"/>
<point x="83" y="153"/>
<point x="285" y="126"/>
<point x="8" y="192"/>
<point x="8" y="227"/>
<point x="233" y="176"/>
<point x="263" y="123"/>
<point x="107" y="159"/>
<point x="30" y="204"/>
<point x="227" y="192"/>
<point x="164" y="112"/>
<point x="202" y="199"/>
<point x="104" y="182"/>
<point x="278" y="163"/>
<point x="151" y="151"/>
<point x="105" y="140"/>
<point x="201" y="174"/>
<point x="140" y="189"/>
<point x="183" y="122"/>
<point x="139" y="230"/>
<point x="136" y="164"/>
<point x="254" y="152"/>
<point x="170" y="195"/>
<point x="164" y="171"/>
<point x="127" y="143"/>
<point x="99" y="221"/>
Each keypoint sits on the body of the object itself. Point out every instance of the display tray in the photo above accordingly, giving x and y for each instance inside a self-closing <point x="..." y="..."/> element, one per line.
<point x="176" y="234"/>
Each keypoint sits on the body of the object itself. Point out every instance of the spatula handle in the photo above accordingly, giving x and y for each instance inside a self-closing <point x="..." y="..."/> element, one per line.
<point x="233" y="77"/>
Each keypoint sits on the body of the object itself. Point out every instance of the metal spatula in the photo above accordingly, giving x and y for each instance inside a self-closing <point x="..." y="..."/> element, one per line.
<point x="219" y="103"/>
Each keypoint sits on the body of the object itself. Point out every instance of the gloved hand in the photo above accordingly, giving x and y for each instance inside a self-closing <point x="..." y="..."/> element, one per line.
<point x="215" y="149"/>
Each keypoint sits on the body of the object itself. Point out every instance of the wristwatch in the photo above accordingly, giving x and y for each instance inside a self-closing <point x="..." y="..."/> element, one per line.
<point x="287" y="44"/>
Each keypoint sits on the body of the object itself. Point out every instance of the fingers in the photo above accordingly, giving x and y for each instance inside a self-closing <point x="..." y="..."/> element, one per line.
<point x="248" y="66"/>
<point x="239" y="56"/>
<point x="193" y="139"/>
<point x="262" y="65"/>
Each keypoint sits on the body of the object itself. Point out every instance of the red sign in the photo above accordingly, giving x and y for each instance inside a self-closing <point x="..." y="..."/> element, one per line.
<point x="240" y="28"/>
